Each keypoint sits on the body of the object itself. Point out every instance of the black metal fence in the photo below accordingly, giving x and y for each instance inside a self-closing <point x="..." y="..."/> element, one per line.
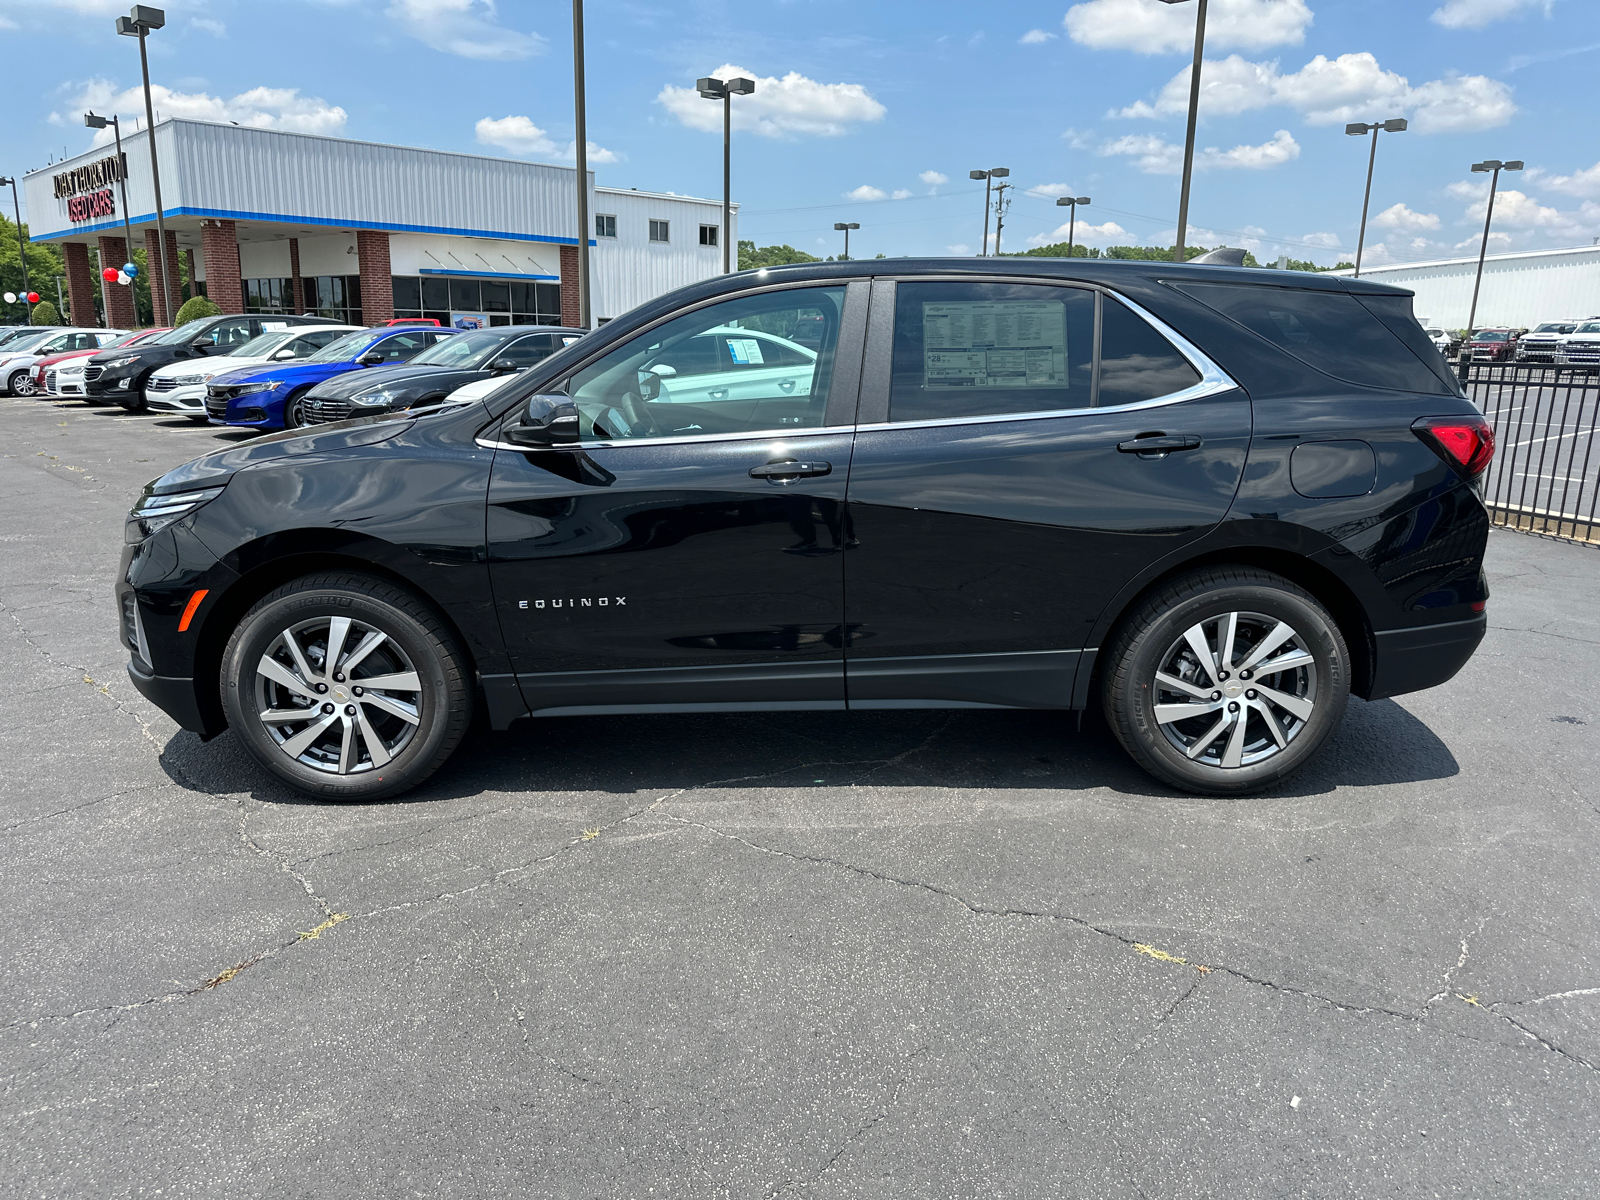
<point x="1545" y="477"/>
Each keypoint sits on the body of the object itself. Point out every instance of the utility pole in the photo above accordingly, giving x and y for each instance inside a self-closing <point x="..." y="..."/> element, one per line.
<point x="581" y="147"/>
<point x="1001" y="203"/>
<point x="1194" y="116"/>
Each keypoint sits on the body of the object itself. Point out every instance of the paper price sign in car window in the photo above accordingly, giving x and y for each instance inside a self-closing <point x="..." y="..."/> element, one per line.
<point x="746" y="351"/>
<point x="273" y="326"/>
<point x="994" y="343"/>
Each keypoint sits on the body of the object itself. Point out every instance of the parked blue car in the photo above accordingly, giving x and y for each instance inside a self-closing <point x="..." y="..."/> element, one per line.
<point x="269" y="396"/>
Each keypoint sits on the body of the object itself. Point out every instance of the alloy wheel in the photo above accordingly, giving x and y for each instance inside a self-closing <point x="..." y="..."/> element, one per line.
<point x="1235" y="689"/>
<point x="338" y="695"/>
<point x="21" y="384"/>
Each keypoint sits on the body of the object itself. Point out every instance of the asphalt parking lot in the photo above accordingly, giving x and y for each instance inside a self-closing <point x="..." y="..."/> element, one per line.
<point x="911" y="954"/>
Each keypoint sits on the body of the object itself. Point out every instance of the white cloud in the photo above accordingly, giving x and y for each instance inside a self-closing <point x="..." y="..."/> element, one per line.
<point x="1324" y="241"/>
<point x="1078" y="139"/>
<point x="1579" y="183"/>
<point x="207" y="25"/>
<point x="521" y="136"/>
<point x="901" y="194"/>
<point x="1514" y="209"/>
<point x="867" y="192"/>
<point x="1048" y="191"/>
<point x="1157" y="156"/>
<point x="467" y="28"/>
<point x="1084" y="235"/>
<point x="1151" y="27"/>
<point x="1352" y="87"/>
<point x="1475" y="14"/>
<point x="1035" y="37"/>
<point x="934" y="178"/>
<point x="259" y="108"/>
<point x="793" y="106"/>
<point x="1398" y="216"/>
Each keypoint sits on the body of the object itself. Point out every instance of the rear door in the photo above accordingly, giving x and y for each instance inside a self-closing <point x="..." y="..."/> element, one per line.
<point x="1008" y="480"/>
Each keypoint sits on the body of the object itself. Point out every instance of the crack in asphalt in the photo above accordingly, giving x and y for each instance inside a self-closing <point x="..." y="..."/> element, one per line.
<point x="1461" y="961"/>
<point x="1147" y="1038"/>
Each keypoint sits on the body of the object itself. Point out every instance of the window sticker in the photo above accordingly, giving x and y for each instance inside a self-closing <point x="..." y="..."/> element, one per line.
<point x="746" y="351"/>
<point x="994" y="344"/>
<point x="273" y="326"/>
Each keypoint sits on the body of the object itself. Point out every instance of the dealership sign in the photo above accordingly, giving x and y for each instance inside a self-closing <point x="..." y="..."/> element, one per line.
<point x="95" y="204"/>
<point x="87" y="189"/>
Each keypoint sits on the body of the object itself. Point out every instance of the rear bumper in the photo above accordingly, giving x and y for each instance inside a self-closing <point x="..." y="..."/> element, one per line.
<point x="1409" y="660"/>
<point x="173" y="696"/>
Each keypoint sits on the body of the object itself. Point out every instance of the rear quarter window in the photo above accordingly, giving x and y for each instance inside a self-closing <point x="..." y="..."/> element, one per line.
<point x="1333" y="332"/>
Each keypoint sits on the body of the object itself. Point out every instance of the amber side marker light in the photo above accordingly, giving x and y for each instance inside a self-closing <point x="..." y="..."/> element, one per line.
<point x="189" y="609"/>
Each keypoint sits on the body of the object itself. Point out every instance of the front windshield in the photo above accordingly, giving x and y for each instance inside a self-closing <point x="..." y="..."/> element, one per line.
<point x="175" y="337"/>
<point x="343" y="349"/>
<point x="260" y="347"/>
<point x="1553" y="328"/>
<point x="23" y="337"/>
<point x="1493" y="335"/>
<point x="1591" y="327"/>
<point x="464" y="351"/>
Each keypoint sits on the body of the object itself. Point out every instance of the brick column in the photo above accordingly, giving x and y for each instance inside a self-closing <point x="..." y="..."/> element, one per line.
<point x="158" y="286"/>
<point x="80" y="284"/>
<point x="118" y="299"/>
<point x="297" y="288"/>
<point x="220" y="248"/>
<point x="569" y="286"/>
<point x="377" y="281"/>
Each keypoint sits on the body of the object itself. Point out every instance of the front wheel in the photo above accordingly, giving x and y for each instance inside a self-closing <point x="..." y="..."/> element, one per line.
<point x="1226" y="681"/>
<point x="21" y="384"/>
<point x="346" y="686"/>
<point x="294" y="411"/>
<point x="133" y="398"/>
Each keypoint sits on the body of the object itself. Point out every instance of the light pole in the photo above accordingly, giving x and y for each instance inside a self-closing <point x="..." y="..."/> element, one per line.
<point x="142" y="19"/>
<point x="22" y="246"/>
<point x="1072" y="223"/>
<point x="94" y="122"/>
<point x="1487" y="166"/>
<point x="1188" y="141"/>
<point x="725" y="90"/>
<point x="847" y="227"/>
<point x="1001" y="203"/>
<point x="1394" y="125"/>
<point x="580" y="146"/>
<point x="988" y="177"/>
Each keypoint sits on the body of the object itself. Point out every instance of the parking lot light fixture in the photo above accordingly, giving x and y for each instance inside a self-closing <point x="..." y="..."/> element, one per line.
<point x="1358" y="129"/>
<point x="1493" y="167"/>
<point x="1071" y="202"/>
<point x="97" y="122"/>
<point x="1194" y="113"/>
<point x="141" y="20"/>
<point x="847" y="227"/>
<point x="22" y="247"/>
<point x="725" y="90"/>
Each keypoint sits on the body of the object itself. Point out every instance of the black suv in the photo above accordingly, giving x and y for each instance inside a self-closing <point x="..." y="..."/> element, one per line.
<point x="120" y="375"/>
<point x="435" y="373"/>
<point x="1209" y="500"/>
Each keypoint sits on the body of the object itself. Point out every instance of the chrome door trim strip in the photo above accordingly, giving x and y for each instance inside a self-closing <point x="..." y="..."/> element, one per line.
<point x="758" y="436"/>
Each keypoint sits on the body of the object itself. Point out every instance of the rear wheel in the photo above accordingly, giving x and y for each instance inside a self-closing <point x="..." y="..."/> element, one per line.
<point x="346" y="686"/>
<point x="1226" y="681"/>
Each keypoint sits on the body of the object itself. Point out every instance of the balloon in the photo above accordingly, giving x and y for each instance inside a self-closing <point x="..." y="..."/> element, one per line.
<point x="124" y="279"/>
<point x="129" y="269"/>
<point x="109" y="274"/>
<point x="11" y="297"/>
<point x="33" y="297"/>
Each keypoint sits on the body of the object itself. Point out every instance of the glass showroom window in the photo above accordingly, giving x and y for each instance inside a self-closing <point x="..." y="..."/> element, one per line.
<point x="504" y="301"/>
<point x="336" y="296"/>
<point x="605" y="225"/>
<point x="659" y="231"/>
<point x="708" y="235"/>
<point x="268" y="295"/>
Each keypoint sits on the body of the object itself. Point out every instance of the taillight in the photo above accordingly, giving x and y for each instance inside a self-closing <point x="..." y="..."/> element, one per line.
<point x="1466" y="443"/>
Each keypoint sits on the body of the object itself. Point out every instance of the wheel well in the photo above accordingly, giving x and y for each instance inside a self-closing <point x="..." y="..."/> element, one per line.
<point x="251" y="587"/>
<point x="1322" y="583"/>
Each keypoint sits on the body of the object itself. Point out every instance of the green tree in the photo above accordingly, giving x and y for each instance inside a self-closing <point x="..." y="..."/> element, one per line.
<point x="44" y="264"/>
<point x="44" y="313"/>
<point x="771" y="256"/>
<point x="1057" y="250"/>
<point x="195" y="308"/>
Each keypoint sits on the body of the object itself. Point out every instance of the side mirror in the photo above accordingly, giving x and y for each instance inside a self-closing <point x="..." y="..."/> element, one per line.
<point x="650" y="384"/>
<point x="501" y="366"/>
<point x="546" y="423"/>
<point x="372" y="358"/>
<point x="665" y="370"/>
<point x="286" y="352"/>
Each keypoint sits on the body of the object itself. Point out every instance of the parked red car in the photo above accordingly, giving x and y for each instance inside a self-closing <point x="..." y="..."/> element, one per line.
<point x="44" y="371"/>
<point x="1494" y="345"/>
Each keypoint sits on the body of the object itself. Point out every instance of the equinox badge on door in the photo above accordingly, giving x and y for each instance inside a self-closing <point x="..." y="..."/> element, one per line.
<point x="580" y="602"/>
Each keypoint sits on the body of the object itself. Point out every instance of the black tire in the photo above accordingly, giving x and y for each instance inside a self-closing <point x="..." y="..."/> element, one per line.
<point x="133" y="398"/>
<point x="1154" y="636"/>
<point x="414" y="636"/>
<point x="199" y="420"/>
<point x="293" y="417"/>
<point x="20" y="383"/>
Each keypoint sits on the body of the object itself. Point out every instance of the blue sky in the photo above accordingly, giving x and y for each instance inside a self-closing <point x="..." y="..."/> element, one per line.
<point x="860" y="100"/>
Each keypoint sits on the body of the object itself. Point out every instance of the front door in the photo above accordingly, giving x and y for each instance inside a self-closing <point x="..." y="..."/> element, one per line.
<point x="685" y="555"/>
<point x="998" y="496"/>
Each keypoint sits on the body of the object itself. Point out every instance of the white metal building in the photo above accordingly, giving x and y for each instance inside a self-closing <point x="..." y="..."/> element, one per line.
<point x="292" y="222"/>
<point x="1519" y="289"/>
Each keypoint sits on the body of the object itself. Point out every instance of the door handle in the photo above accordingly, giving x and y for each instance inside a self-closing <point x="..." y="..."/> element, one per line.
<point x="717" y="393"/>
<point x="788" y="468"/>
<point x="1159" y="444"/>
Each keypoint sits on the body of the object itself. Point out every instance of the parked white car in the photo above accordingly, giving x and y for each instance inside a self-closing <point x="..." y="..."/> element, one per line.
<point x="1581" y="347"/>
<point x="1540" y="343"/>
<point x="17" y="359"/>
<point x="729" y="364"/>
<point x="180" y="387"/>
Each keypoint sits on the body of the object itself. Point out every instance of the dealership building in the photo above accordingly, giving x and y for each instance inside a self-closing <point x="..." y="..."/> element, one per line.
<point x="270" y="221"/>
<point x="1519" y="289"/>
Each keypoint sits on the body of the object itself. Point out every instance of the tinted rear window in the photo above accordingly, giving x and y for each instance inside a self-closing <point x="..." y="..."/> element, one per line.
<point x="1332" y="331"/>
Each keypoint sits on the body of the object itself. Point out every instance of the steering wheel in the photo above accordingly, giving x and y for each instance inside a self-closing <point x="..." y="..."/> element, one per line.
<point x="641" y="420"/>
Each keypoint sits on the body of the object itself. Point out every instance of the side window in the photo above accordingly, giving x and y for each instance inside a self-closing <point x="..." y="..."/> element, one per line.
<point x="229" y="333"/>
<point x="1136" y="362"/>
<point x="986" y="349"/>
<point x="628" y="394"/>
<point x="319" y="338"/>
<point x="402" y="346"/>
<point x="1330" y="331"/>
<point x="529" y="350"/>
<point x="56" y="345"/>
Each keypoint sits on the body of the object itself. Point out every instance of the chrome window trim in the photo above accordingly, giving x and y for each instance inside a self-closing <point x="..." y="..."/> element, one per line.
<point x="757" y="436"/>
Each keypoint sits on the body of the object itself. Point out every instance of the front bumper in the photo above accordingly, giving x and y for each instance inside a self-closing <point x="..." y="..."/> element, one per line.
<point x="1409" y="660"/>
<point x="190" y="400"/>
<point x="108" y="385"/>
<point x="174" y="696"/>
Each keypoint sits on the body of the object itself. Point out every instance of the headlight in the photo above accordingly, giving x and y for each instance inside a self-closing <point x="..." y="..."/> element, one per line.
<point x="154" y="513"/>
<point x="380" y="398"/>
<point x="122" y="362"/>
<point x="190" y="380"/>
<point x="245" y="389"/>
